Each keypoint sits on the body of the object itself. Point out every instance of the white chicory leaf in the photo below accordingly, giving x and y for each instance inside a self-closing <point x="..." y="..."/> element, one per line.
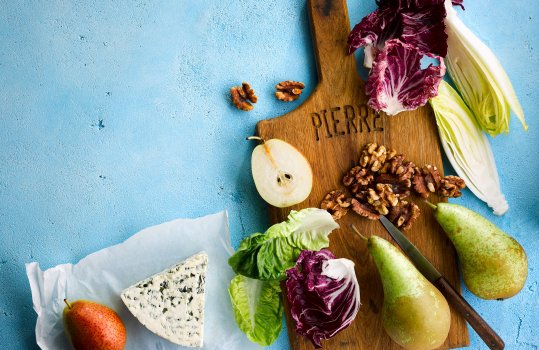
<point x="467" y="147"/>
<point x="480" y="77"/>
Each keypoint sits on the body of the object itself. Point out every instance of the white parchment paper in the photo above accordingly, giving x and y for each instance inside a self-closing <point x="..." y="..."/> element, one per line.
<point x="103" y="275"/>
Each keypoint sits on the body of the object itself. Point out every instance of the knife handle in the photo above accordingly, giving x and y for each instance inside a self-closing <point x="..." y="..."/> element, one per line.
<point x="486" y="333"/>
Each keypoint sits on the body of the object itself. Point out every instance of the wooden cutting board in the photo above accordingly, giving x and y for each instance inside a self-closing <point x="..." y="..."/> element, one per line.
<point x="330" y="128"/>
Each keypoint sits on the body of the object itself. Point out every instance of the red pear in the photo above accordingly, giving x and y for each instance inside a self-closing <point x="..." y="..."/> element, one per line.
<point x="92" y="326"/>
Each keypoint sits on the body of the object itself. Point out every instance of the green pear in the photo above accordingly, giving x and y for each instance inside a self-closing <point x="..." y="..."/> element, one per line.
<point x="92" y="326"/>
<point x="494" y="265"/>
<point x="415" y="314"/>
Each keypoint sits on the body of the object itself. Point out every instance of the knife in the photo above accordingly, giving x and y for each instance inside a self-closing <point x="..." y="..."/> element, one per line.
<point x="489" y="336"/>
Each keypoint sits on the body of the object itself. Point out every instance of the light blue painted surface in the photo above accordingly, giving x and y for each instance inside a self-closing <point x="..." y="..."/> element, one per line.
<point x="116" y="117"/>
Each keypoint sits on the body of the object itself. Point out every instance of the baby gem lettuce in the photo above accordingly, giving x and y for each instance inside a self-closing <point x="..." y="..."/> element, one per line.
<point x="266" y="256"/>
<point x="261" y="262"/>
<point x="258" y="308"/>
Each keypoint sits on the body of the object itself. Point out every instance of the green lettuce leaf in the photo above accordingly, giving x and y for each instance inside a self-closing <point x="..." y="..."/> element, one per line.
<point x="267" y="256"/>
<point x="258" y="308"/>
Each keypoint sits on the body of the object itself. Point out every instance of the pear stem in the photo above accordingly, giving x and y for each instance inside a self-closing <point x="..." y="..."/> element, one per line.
<point x="68" y="305"/>
<point x="358" y="233"/>
<point x="258" y="138"/>
<point x="432" y="206"/>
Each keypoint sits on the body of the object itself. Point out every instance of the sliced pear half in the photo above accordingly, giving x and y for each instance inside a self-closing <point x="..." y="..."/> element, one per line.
<point x="282" y="175"/>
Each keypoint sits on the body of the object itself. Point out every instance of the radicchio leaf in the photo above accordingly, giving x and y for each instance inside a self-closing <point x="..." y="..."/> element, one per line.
<point x="421" y="27"/>
<point x="411" y="4"/>
<point x="397" y="82"/>
<point x="323" y="294"/>
<point x="416" y="22"/>
<point x="425" y="29"/>
<point x="407" y="4"/>
<point x="396" y="36"/>
<point x="374" y="29"/>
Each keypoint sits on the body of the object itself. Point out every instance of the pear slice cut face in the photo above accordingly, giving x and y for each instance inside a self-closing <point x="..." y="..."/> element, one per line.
<point x="282" y="175"/>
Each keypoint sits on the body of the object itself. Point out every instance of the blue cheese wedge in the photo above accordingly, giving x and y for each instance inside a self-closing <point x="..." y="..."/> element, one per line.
<point x="171" y="303"/>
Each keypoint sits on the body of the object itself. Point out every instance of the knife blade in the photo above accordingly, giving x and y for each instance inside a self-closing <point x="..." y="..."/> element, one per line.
<point x="489" y="336"/>
<point x="423" y="265"/>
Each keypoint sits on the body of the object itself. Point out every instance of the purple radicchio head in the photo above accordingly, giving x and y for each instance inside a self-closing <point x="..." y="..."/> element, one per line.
<point x="323" y="293"/>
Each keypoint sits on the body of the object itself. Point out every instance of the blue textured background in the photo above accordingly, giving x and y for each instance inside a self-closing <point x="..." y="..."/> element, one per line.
<point x="115" y="116"/>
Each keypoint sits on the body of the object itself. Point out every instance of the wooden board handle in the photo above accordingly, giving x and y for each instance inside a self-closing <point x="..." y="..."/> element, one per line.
<point x="486" y="333"/>
<point x="330" y="27"/>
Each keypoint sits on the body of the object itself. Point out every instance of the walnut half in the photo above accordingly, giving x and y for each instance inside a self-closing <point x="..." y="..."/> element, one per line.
<point x="373" y="156"/>
<point x="242" y="97"/>
<point x="428" y="180"/>
<point x="289" y="90"/>
<point x="404" y="215"/>
<point x="364" y="210"/>
<point x="450" y="186"/>
<point x="336" y="203"/>
<point x="357" y="179"/>
<point x="382" y="198"/>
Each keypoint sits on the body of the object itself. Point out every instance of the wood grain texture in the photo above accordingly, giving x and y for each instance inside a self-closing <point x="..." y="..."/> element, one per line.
<point x="330" y="128"/>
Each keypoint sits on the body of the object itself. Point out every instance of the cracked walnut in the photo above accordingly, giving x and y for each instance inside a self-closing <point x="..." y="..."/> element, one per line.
<point x="243" y="96"/>
<point x="380" y="182"/>
<point x="289" y="90"/>
<point x="336" y="203"/>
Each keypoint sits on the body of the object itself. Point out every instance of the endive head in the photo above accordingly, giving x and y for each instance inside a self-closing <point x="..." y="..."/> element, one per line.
<point x="467" y="148"/>
<point x="480" y="77"/>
